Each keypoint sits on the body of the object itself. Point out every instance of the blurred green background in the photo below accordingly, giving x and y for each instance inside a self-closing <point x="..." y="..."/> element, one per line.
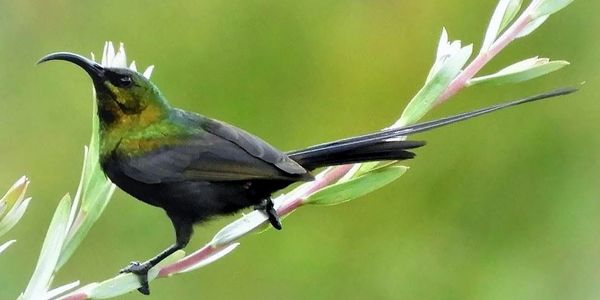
<point x="503" y="207"/>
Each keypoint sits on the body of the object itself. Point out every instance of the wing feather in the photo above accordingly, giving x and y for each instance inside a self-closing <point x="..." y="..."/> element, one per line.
<point x="254" y="146"/>
<point x="220" y="152"/>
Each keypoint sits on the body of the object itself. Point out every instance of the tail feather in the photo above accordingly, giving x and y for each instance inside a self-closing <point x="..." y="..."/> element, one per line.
<point x="392" y="150"/>
<point x="383" y="146"/>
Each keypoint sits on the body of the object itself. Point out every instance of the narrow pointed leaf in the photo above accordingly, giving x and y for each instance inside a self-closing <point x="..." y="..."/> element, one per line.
<point x="505" y="12"/>
<point x="15" y="193"/>
<point x="6" y="245"/>
<point x="93" y="194"/>
<point x="133" y="66"/>
<point x="356" y="187"/>
<point x="86" y="218"/>
<point x="61" y="289"/>
<point x="77" y="199"/>
<point x="442" y="44"/>
<point x="533" y="25"/>
<point x="14" y="204"/>
<point x="548" y="7"/>
<point x="103" y="61"/>
<point x="426" y="97"/>
<point x="515" y="76"/>
<point x="14" y="215"/>
<point x="3" y="207"/>
<point x="116" y="286"/>
<point x="238" y="228"/>
<point x="110" y="54"/>
<point x="125" y="283"/>
<point x="120" y="59"/>
<point x="511" y="12"/>
<point x="148" y="72"/>
<point x="370" y="166"/>
<point x="212" y="258"/>
<point x="50" y="252"/>
<point x="445" y="50"/>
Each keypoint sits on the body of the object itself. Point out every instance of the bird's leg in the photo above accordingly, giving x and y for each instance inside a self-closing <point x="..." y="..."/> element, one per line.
<point x="183" y="232"/>
<point x="269" y="209"/>
<point x="141" y="269"/>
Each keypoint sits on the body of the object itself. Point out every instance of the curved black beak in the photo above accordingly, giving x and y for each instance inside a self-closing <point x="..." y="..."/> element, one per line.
<point x="95" y="70"/>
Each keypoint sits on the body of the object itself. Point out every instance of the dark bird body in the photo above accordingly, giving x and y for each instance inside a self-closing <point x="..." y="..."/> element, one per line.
<point x="211" y="168"/>
<point x="196" y="168"/>
<point x="200" y="173"/>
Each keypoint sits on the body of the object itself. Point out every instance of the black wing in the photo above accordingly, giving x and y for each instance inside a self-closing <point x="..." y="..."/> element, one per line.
<point x="219" y="152"/>
<point x="254" y="146"/>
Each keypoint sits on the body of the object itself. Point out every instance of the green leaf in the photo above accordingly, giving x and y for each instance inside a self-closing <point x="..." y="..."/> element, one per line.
<point x="3" y="206"/>
<point x="94" y="193"/>
<point x="116" y="286"/>
<point x="425" y="98"/>
<point x="60" y="290"/>
<point x="365" y="168"/>
<point x="238" y="228"/>
<point x="356" y="187"/>
<point x="548" y="7"/>
<point x="14" y="215"/>
<point x="13" y="199"/>
<point x="368" y="167"/>
<point x="444" y="49"/>
<point x="532" y="26"/>
<point x="212" y="258"/>
<point x="505" y="12"/>
<point x="96" y="199"/>
<point x="511" y="12"/>
<point x="15" y="193"/>
<point x="125" y="283"/>
<point x="6" y="245"/>
<point x="46" y="265"/>
<point x="521" y="71"/>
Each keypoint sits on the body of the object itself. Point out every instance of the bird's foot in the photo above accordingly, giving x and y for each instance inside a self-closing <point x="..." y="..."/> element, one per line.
<point x="268" y="208"/>
<point x="141" y="270"/>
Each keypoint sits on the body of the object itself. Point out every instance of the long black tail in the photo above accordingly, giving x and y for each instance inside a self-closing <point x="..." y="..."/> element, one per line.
<point x="382" y="145"/>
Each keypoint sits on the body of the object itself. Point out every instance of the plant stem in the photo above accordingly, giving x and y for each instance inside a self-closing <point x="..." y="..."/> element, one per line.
<point x="484" y="57"/>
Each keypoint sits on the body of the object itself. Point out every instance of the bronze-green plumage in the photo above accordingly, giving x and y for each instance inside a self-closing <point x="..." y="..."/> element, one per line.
<point x="195" y="168"/>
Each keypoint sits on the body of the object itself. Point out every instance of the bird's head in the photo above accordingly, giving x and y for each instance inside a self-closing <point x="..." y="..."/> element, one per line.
<point x="121" y="93"/>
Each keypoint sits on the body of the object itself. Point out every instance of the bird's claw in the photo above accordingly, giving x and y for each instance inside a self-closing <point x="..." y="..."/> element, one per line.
<point x="268" y="208"/>
<point x="141" y="270"/>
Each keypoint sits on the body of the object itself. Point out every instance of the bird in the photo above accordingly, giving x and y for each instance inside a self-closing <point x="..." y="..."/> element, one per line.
<point x="196" y="168"/>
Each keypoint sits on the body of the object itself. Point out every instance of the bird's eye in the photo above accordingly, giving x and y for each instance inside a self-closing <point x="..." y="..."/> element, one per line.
<point x="124" y="82"/>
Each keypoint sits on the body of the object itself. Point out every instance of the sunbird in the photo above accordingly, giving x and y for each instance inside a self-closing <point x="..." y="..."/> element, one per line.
<point x="196" y="168"/>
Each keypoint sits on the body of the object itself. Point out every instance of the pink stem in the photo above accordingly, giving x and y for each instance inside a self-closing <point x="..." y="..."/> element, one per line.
<point x="188" y="261"/>
<point x="328" y="178"/>
<point x="484" y="57"/>
<point x="75" y="296"/>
